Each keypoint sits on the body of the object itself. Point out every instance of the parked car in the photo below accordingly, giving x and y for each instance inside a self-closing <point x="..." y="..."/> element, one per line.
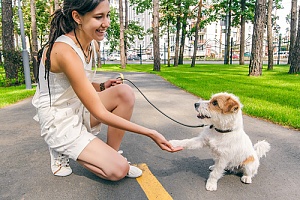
<point x="133" y="57"/>
<point x="114" y="57"/>
<point x="247" y="54"/>
<point x="235" y="56"/>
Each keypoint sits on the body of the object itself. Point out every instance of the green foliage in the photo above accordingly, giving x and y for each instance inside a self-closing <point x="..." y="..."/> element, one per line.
<point x="273" y="96"/>
<point x="113" y="32"/>
<point x="141" y="6"/>
<point x="218" y="10"/>
<point x="10" y="95"/>
<point x="12" y="72"/>
<point x="42" y="18"/>
<point x="134" y="31"/>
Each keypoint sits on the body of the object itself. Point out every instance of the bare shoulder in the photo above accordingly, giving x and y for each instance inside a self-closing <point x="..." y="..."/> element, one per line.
<point x="62" y="56"/>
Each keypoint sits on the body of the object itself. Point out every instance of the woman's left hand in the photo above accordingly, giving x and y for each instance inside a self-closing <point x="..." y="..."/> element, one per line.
<point x="113" y="82"/>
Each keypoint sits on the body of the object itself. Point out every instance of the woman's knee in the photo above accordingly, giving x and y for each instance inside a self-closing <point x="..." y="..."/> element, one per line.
<point x="118" y="172"/>
<point x="126" y="94"/>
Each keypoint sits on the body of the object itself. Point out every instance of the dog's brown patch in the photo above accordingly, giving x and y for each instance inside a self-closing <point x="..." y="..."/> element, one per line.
<point x="248" y="160"/>
<point x="224" y="104"/>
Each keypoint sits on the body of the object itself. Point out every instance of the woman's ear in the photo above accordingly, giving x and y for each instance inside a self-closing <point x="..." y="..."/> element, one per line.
<point x="76" y="16"/>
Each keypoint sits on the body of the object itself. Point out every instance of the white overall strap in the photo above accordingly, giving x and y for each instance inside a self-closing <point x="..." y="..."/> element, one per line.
<point x="69" y="41"/>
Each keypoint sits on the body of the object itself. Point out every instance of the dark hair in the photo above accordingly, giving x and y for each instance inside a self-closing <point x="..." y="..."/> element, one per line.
<point x="62" y="22"/>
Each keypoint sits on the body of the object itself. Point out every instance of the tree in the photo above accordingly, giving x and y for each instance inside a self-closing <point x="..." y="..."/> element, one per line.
<point x="186" y="13"/>
<point x="242" y="34"/>
<point x="270" y="35"/>
<point x="256" y="61"/>
<point x="228" y="33"/>
<point x="240" y="11"/>
<point x="34" y="41"/>
<point x="197" y="27"/>
<point x="156" y="49"/>
<point x="293" y="28"/>
<point x="122" y="43"/>
<point x="8" y="42"/>
<point x="178" y="27"/>
<point x="167" y="18"/>
<point x="295" y="57"/>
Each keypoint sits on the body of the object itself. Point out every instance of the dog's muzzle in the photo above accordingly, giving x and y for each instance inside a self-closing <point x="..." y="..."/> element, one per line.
<point x="200" y="116"/>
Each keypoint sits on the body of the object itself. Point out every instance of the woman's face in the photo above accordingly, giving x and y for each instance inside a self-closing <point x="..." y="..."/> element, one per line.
<point x="95" y="23"/>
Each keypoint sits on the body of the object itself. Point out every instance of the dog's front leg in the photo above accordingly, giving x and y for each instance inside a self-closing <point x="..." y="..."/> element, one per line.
<point x="215" y="175"/>
<point x="193" y="143"/>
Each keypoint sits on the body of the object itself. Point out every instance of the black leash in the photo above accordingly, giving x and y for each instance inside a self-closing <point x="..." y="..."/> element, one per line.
<point x="191" y="126"/>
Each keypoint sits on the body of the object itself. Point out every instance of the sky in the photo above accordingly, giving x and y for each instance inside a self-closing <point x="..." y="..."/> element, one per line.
<point x="282" y="13"/>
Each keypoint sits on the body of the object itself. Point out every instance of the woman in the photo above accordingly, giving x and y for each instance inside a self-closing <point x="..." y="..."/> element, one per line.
<point x="70" y="106"/>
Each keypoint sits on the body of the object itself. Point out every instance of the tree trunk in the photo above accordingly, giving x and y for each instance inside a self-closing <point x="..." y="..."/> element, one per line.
<point x="270" y="35"/>
<point x="122" y="47"/>
<point x="228" y="34"/>
<point x="182" y="42"/>
<point x="256" y="61"/>
<point x="156" y="50"/>
<point x="126" y="27"/>
<point x="34" y="41"/>
<point x="56" y="4"/>
<point x="196" y="33"/>
<point x="293" y="27"/>
<point x="295" y="57"/>
<point x="242" y="40"/>
<point x="178" y="24"/>
<point x="8" y="42"/>
<point x="168" y="36"/>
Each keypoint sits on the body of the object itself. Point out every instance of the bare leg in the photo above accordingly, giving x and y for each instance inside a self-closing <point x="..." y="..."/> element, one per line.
<point x="103" y="159"/>
<point x="120" y="101"/>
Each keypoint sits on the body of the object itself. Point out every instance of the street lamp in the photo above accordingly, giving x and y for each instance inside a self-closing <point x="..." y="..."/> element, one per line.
<point x="24" y="51"/>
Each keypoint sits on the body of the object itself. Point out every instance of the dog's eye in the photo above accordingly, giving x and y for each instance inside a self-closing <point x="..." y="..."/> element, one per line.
<point x="215" y="103"/>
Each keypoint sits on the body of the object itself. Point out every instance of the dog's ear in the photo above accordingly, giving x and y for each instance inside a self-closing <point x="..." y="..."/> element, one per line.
<point x="231" y="106"/>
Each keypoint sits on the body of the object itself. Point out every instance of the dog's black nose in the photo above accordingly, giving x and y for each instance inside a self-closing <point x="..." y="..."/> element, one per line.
<point x="197" y="105"/>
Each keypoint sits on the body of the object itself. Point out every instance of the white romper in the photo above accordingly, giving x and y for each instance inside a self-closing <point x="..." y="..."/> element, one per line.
<point x="65" y="125"/>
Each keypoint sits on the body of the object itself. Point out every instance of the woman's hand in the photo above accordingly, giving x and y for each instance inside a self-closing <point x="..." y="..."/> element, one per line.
<point x="112" y="82"/>
<point x="161" y="141"/>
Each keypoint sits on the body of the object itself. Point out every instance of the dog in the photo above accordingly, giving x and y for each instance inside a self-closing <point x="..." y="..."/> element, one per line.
<point x="224" y="134"/>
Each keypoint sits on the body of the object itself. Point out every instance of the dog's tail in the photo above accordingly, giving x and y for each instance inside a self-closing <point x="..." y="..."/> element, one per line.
<point x="261" y="148"/>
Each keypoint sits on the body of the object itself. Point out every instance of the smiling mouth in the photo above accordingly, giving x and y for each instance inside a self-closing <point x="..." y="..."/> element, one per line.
<point x="103" y="31"/>
<point x="202" y="116"/>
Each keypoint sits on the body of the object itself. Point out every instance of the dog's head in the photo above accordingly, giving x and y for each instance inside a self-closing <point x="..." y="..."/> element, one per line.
<point x="222" y="110"/>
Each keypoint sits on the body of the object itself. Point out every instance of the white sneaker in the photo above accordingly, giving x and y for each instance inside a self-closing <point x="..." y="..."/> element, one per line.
<point x="134" y="172"/>
<point x="59" y="164"/>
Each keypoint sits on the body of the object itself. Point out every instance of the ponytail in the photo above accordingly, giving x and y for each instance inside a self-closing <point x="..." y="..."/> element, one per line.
<point x="60" y="24"/>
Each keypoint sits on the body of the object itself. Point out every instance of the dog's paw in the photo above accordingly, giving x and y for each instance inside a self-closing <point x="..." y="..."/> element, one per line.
<point x="211" y="185"/>
<point x="176" y="143"/>
<point x="246" y="179"/>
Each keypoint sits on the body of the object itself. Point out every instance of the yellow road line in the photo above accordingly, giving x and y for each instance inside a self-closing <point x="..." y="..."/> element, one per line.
<point x="151" y="186"/>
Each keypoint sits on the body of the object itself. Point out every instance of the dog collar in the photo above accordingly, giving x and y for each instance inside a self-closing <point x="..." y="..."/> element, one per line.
<point x="219" y="130"/>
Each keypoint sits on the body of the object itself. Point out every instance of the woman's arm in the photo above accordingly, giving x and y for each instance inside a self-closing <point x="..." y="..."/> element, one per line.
<point x="65" y="59"/>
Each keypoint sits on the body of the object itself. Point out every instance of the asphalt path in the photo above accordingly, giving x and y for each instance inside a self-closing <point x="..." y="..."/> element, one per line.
<point x="25" y="162"/>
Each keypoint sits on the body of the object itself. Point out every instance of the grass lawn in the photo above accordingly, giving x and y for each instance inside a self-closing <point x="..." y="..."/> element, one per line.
<point x="274" y="96"/>
<point x="13" y="94"/>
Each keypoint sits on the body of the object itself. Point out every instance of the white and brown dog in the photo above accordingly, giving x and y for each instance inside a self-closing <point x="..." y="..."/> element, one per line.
<point x="231" y="147"/>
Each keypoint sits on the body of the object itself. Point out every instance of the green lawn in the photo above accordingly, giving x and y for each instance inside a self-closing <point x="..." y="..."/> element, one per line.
<point x="274" y="96"/>
<point x="13" y="94"/>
